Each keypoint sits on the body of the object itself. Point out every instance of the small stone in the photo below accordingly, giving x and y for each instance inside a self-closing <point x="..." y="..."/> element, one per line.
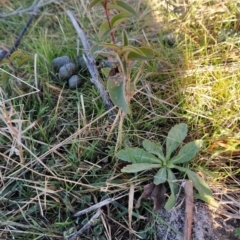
<point x="67" y="70"/>
<point x="60" y="61"/>
<point x="75" y="82"/>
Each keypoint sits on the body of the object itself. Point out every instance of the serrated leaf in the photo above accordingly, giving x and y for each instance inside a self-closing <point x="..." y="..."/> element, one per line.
<point x="137" y="155"/>
<point x="174" y="190"/>
<point x="94" y="2"/>
<point x="138" y="167"/>
<point x="115" y="87"/>
<point x="125" y="38"/>
<point x="175" y="137"/>
<point x="154" y="149"/>
<point x="202" y="187"/>
<point x="160" y="176"/>
<point x="104" y="29"/>
<point x="187" y="152"/>
<point x="126" y="7"/>
<point x="118" y="18"/>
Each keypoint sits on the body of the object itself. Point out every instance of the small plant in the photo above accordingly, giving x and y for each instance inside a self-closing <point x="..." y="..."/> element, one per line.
<point x="120" y="85"/>
<point x="152" y="156"/>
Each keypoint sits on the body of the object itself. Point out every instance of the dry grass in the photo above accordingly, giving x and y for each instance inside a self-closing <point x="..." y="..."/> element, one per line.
<point x="54" y="156"/>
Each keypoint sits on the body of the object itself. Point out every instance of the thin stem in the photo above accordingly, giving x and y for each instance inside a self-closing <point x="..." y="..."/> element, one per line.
<point x="108" y="20"/>
<point x="120" y="131"/>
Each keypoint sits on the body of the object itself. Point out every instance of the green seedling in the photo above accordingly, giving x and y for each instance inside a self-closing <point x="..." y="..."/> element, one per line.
<point x="152" y="156"/>
<point x="120" y="85"/>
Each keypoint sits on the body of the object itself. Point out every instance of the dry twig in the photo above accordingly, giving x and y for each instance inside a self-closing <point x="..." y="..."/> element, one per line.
<point x="87" y="226"/>
<point x="188" y="189"/>
<point x="90" y="62"/>
<point x="34" y="9"/>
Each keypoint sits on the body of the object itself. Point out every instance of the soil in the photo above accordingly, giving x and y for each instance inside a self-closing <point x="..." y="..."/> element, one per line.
<point x="207" y="225"/>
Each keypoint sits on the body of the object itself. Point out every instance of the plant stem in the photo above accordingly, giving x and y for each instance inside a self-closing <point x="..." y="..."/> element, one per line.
<point x="108" y="20"/>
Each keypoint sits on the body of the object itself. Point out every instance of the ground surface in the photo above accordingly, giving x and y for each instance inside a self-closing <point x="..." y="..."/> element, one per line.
<point x="57" y="145"/>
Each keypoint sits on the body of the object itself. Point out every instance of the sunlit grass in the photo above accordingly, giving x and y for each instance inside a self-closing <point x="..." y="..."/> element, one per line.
<point x="57" y="147"/>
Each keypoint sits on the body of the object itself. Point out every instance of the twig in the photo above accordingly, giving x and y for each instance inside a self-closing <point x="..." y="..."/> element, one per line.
<point x="90" y="62"/>
<point x="4" y="53"/>
<point x="188" y="189"/>
<point x="28" y="10"/>
<point x="87" y="226"/>
<point x="96" y="206"/>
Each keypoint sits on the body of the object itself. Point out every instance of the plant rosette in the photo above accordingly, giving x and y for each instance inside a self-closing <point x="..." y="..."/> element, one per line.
<point x="152" y="156"/>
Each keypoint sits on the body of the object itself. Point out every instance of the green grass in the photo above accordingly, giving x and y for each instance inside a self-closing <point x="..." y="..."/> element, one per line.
<point x="56" y="147"/>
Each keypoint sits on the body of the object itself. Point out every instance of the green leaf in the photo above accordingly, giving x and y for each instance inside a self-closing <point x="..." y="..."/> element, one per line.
<point x="147" y="51"/>
<point x="94" y="2"/>
<point x="104" y="30"/>
<point x="174" y="190"/>
<point x="111" y="46"/>
<point x="16" y="54"/>
<point x="115" y="87"/>
<point x="118" y="18"/>
<point x="208" y="199"/>
<point x="137" y="155"/>
<point x="202" y="187"/>
<point x="126" y="7"/>
<point x="136" y="56"/>
<point x="154" y="149"/>
<point x="170" y="202"/>
<point x="138" y="167"/>
<point x="24" y="59"/>
<point x="4" y="80"/>
<point x="187" y="152"/>
<point x="181" y="169"/>
<point x="132" y="49"/>
<point x="96" y="50"/>
<point x="125" y="38"/>
<point x="122" y="6"/>
<point x="160" y="176"/>
<point x="105" y="71"/>
<point x="146" y="54"/>
<point x="175" y="137"/>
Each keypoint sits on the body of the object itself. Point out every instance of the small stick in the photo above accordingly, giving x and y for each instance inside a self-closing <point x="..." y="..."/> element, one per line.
<point x="91" y="222"/>
<point x="20" y="11"/>
<point x="96" y="206"/>
<point x="4" y="53"/>
<point x="90" y="62"/>
<point x="188" y="189"/>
